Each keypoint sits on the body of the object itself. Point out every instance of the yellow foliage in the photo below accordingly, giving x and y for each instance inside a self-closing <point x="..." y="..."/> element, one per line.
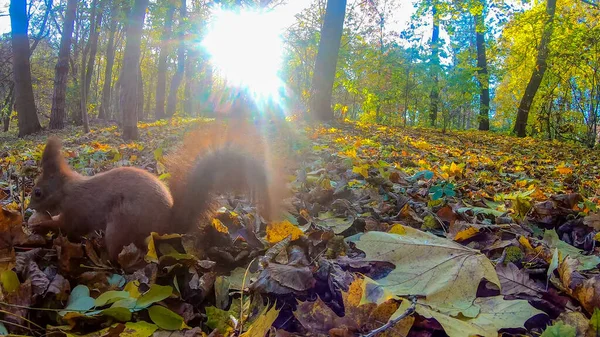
<point x="525" y="243"/>
<point x="362" y="170"/>
<point x="564" y="170"/>
<point x="219" y="226"/>
<point x="466" y="234"/>
<point x="277" y="231"/>
<point x="398" y="229"/>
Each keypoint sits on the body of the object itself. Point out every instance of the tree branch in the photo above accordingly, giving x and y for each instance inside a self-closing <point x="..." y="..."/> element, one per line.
<point x="591" y="3"/>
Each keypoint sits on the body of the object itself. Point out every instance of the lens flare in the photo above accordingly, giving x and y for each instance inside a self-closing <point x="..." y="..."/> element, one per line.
<point x="246" y="50"/>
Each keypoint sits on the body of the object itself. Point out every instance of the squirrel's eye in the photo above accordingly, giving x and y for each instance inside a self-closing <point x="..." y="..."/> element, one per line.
<point x="37" y="192"/>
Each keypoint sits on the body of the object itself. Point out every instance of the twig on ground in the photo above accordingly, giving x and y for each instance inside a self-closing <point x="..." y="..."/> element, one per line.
<point x="393" y="322"/>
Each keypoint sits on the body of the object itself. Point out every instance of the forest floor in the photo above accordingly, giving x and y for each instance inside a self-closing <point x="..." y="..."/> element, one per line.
<point x="403" y="232"/>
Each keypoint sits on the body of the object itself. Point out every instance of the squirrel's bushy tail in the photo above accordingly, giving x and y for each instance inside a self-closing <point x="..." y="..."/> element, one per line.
<point x="225" y="158"/>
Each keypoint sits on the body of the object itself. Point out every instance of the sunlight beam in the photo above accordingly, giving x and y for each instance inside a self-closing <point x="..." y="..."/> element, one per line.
<point x="246" y="49"/>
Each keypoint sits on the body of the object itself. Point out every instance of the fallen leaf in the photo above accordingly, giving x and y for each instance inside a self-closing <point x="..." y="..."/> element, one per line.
<point x="447" y="273"/>
<point x="262" y="324"/>
<point x="495" y="314"/>
<point x="10" y="281"/>
<point x="586" y="291"/>
<point x="587" y="262"/>
<point x="514" y="281"/>
<point x="283" y="279"/>
<point x="79" y="301"/>
<point x="156" y="293"/>
<point x="277" y="231"/>
<point x="165" y="318"/>
<point x="559" y="329"/>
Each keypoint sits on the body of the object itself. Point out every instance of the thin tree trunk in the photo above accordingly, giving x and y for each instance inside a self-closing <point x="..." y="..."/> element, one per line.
<point x="190" y="83"/>
<point x="140" y="95"/>
<point x="58" y="114"/>
<point x="25" y="103"/>
<point x="538" y="73"/>
<point x="131" y="67"/>
<point x="8" y="102"/>
<point x="161" y="83"/>
<point x="326" y="61"/>
<point x="88" y="69"/>
<point x="482" y="73"/>
<point x="434" y="96"/>
<point x="178" y="77"/>
<point x="104" y="112"/>
<point x="147" y="105"/>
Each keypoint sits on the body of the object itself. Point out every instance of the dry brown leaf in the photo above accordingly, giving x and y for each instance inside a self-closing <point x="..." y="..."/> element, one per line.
<point x="68" y="253"/>
<point x="586" y="291"/>
<point x="284" y="279"/>
<point x="514" y="281"/>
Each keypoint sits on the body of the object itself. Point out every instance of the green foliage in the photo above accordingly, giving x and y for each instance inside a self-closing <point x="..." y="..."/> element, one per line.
<point x="440" y="190"/>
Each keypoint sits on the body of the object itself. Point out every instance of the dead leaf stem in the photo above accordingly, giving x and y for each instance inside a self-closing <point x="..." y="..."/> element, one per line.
<point x="21" y="317"/>
<point x="17" y="325"/>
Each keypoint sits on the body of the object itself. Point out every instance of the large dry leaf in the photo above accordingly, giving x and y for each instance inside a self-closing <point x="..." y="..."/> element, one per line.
<point x="447" y="273"/>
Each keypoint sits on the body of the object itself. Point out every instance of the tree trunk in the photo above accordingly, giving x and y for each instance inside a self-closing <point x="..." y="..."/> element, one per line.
<point x="482" y="73"/>
<point x="96" y="22"/>
<point x="326" y="61"/>
<point x="131" y="67"/>
<point x="191" y="84"/>
<point x="178" y="77"/>
<point x="8" y="102"/>
<point x="104" y="111"/>
<point x="538" y="73"/>
<point x="58" y="113"/>
<point x="25" y="103"/>
<point x="161" y="83"/>
<point x="140" y="95"/>
<point x="434" y="96"/>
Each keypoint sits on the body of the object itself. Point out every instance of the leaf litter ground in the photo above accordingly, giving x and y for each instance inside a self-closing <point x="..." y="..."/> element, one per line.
<point x="403" y="232"/>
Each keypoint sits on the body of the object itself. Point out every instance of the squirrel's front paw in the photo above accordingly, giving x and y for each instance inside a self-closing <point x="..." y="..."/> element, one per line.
<point x="40" y="223"/>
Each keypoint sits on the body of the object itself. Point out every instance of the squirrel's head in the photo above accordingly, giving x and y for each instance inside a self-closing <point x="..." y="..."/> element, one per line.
<point x="48" y="190"/>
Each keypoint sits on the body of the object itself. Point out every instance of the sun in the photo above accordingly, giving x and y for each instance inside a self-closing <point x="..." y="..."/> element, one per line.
<point x="246" y="49"/>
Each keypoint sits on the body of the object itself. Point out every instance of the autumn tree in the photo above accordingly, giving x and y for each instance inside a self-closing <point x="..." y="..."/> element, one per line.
<point x="25" y="104"/>
<point x="130" y="73"/>
<point x="326" y="61"/>
<point x="61" y="70"/>
<point x="537" y="76"/>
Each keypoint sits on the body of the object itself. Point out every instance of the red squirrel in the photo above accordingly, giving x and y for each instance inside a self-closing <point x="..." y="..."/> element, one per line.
<point x="128" y="203"/>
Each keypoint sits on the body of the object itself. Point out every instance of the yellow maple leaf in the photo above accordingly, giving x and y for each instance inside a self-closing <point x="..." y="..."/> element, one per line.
<point x="277" y="231"/>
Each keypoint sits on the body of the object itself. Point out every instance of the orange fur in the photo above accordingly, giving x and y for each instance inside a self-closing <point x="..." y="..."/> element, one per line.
<point x="129" y="203"/>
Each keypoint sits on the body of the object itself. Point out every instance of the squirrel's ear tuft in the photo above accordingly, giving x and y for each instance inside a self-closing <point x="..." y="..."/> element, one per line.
<point x="52" y="159"/>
